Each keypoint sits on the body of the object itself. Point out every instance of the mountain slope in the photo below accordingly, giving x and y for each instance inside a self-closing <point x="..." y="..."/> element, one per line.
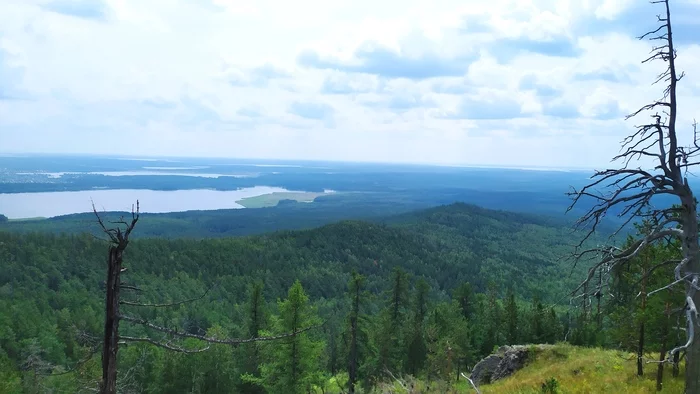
<point x="448" y="245"/>
<point x="586" y="370"/>
<point x="51" y="285"/>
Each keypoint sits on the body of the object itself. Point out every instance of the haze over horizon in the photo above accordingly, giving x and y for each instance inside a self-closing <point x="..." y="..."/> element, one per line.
<point x="502" y="83"/>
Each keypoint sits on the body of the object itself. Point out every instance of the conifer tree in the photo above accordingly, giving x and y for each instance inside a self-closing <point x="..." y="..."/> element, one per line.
<point x="257" y="319"/>
<point x="512" y="318"/>
<point x="417" y="349"/>
<point x="291" y="365"/>
<point x="357" y="335"/>
<point x="389" y="337"/>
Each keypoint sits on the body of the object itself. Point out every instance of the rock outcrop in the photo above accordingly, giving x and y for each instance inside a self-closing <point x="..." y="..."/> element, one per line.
<point x="503" y="363"/>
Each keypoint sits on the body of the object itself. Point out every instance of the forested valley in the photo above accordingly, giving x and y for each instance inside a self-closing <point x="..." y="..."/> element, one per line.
<point x="420" y="295"/>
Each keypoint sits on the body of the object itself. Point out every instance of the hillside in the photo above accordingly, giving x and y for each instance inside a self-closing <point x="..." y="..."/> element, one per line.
<point x="51" y="284"/>
<point x="576" y="370"/>
<point x="585" y="370"/>
<point x="377" y="206"/>
<point x="447" y="245"/>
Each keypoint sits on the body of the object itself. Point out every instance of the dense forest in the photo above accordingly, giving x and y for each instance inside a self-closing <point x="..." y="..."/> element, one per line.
<point x="419" y="294"/>
<point x="289" y="215"/>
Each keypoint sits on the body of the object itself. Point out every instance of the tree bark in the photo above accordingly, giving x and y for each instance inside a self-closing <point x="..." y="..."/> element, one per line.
<point x="111" y="334"/>
<point x="599" y="295"/>
<point x="640" y="351"/>
<point x="640" y="348"/>
<point x="691" y="249"/>
<point x="662" y="353"/>
<point x="676" y="369"/>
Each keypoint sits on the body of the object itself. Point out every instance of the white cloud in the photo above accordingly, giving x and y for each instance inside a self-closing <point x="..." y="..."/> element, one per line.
<point x="453" y="81"/>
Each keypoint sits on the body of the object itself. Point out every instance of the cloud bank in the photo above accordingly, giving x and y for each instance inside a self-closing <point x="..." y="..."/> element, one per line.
<point x="455" y="82"/>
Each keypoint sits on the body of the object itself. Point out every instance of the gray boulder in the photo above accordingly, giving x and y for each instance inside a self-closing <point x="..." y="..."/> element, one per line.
<point x="505" y="362"/>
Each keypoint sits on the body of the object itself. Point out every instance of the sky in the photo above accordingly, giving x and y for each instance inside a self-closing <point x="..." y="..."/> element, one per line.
<point x="498" y="82"/>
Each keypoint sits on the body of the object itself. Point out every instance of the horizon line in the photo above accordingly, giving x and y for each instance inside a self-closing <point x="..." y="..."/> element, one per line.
<point x="400" y="163"/>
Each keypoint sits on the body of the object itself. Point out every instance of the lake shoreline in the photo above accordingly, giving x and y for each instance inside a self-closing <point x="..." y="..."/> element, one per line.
<point x="25" y="206"/>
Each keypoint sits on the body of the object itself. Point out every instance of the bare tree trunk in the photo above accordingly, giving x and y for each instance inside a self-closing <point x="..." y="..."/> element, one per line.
<point x="119" y="240"/>
<point x="676" y="369"/>
<point x="662" y="353"/>
<point x="640" y="348"/>
<point x="640" y="351"/>
<point x="111" y="334"/>
<point x="599" y="295"/>
<point x="692" y="252"/>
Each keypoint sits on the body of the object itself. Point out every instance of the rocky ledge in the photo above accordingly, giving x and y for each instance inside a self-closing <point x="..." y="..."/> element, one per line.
<point x="505" y="362"/>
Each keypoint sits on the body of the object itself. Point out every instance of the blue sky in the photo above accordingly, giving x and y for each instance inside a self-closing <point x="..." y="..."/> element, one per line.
<point x="498" y="82"/>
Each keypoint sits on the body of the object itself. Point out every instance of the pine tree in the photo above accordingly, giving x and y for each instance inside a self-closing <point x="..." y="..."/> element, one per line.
<point x="447" y="337"/>
<point x="389" y="333"/>
<point x="256" y="322"/>
<point x="356" y="333"/>
<point x="512" y="318"/>
<point x="464" y="296"/>
<point x="417" y="348"/>
<point x="537" y="330"/>
<point x="493" y="316"/>
<point x="291" y="365"/>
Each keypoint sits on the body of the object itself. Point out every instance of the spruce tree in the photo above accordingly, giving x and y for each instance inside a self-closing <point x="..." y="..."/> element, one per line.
<point x="512" y="318"/>
<point x="292" y="365"/>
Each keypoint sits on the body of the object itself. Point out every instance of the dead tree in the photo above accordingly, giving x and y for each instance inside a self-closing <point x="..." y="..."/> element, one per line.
<point x="119" y="240"/>
<point x="632" y="194"/>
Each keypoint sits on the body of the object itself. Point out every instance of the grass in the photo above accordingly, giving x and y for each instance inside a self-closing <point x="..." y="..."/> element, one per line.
<point x="586" y="370"/>
<point x="573" y="370"/>
<point x="272" y="199"/>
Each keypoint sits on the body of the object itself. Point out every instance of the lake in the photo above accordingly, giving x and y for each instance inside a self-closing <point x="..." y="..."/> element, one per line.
<point x="30" y="205"/>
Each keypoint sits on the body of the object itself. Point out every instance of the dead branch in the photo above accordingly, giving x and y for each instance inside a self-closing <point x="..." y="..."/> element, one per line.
<point x="670" y="285"/>
<point x="94" y="350"/>
<point x="628" y="192"/>
<point x="471" y="382"/>
<point x="204" y="338"/>
<point x="164" y="345"/>
<point x="117" y="235"/>
<point x="403" y="386"/>
<point x="129" y="287"/>
<point x="611" y="258"/>
<point x="131" y="303"/>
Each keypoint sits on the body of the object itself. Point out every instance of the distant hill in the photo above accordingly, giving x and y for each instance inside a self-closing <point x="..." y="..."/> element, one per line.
<point x="448" y="245"/>
<point x="290" y="215"/>
<point x="52" y="284"/>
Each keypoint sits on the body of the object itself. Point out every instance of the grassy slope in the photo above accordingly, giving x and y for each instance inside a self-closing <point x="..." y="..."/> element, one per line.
<point x="577" y="370"/>
<point x="272" y="199"/>
<point x="585" y="370"/>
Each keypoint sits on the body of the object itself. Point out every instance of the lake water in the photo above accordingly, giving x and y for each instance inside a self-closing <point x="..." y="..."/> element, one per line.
<point x="30" y="205"/>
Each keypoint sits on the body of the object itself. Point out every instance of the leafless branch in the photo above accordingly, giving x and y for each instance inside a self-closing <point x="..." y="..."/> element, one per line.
<point x="131" y="303"/>
<point x="94" y="350"/>
<point x="403" y="386"/>
<point x="670" y="285"/>
<point x="471" y="382"/>
<point x="628" y="192"/>
<point x="204" y="338"/>
<point x="117" y="235"/>
<point x="612" y="255"/>
<point x="129" y="287"/>
<point x="654" y="268"/>
<point x="164" y="345"/>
